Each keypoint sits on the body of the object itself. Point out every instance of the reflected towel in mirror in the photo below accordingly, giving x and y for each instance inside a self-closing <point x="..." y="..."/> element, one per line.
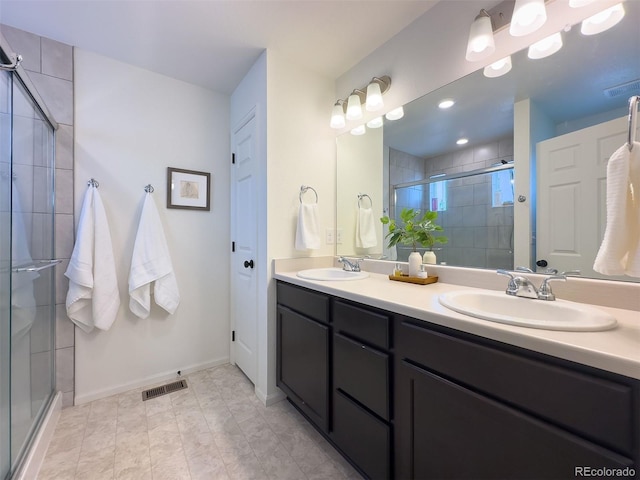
<point x="619" y="252"/>
<point x="366" y="229"/>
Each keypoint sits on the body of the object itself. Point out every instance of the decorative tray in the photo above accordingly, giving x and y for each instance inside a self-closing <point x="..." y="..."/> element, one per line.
<point x="416" y="280"/>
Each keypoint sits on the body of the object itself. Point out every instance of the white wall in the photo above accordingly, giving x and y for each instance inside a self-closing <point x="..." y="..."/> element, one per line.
<point x="131" y="124"/>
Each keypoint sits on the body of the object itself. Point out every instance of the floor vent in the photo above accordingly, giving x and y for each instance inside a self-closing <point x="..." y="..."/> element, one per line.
<point x="163" y="390"/>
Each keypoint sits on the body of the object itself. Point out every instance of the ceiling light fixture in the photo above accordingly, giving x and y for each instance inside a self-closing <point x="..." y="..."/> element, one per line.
<point x="528" y="16"/>
<point x="446" y="103"/>
<point x="375" y="123"/>
<point x="545" y="47"/>
<point x="359" y="130"/>
<point x="395" y="114"/>
<point x="481" y="43"/>
<point x="499" y="68"/>
<point x="602" y="21"/>
<point x="462" y="141"/>
<point x="370" y="96"/>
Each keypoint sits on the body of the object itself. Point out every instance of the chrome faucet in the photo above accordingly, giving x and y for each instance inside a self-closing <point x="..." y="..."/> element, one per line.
<point x="350" y="266"/>
<point x="522" y="287"/>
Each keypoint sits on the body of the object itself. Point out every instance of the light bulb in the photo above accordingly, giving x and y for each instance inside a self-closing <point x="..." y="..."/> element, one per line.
<point x="337" y="117"/>
<point x="481" y="43"/>
<point x="545" y="47"/>
<point x="395" y="114"/>
<point x="374" y="97"/>
<point x="528" y="16"/>
<point x="499" y="68"/>
<point x="602" y="21"/>
<point x="354" y="108"/>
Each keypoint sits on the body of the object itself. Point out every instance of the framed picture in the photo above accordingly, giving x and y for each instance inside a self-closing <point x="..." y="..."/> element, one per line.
<point x="188" y="189"/>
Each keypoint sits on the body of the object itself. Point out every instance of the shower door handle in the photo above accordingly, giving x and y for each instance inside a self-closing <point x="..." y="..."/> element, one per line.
<point x="36" y="267"/>
<point x="248" y="264"/>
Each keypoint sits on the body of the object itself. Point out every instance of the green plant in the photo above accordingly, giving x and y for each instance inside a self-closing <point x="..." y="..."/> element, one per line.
<point x="415" y="229"/>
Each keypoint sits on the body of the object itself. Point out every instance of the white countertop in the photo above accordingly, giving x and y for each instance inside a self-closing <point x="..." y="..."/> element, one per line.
<point x="616" y="350"/>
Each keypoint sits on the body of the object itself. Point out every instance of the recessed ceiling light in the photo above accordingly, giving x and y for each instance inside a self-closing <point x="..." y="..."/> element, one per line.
<point x="462" y="141"/>
<point x="375" y="123"/>
<point x="359" y="130"/>
<point x="395" y="114"/>
<point x="446" y="103"/>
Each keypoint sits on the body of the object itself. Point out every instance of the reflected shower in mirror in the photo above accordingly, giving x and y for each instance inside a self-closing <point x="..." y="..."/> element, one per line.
<point x="524" y="118"/>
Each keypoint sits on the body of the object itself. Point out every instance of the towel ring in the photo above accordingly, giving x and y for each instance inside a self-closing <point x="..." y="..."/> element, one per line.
<point x="93" y="183"/>
<point x="633" y="110"/>
<point x="364" y="195"/>
<point x="148" y="188"/>
<point x="303" y="190"/>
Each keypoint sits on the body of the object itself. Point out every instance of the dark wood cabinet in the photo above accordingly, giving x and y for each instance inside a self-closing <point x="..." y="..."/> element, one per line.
<point x="409" y="399"/>
<point x="303" y="349"/>
<point x="467" y="408"/>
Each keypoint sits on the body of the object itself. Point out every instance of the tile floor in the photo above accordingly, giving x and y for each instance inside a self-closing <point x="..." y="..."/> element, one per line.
<point x="215" y="429"/>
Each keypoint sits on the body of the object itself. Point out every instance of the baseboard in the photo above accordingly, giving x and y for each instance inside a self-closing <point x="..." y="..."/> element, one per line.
<point x="33" y="461"/>
<point x="268" y="400"/>
<point x="145" y="382"/>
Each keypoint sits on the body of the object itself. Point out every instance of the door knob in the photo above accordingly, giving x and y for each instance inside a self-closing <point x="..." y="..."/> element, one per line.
<point x="542" y="263"/>
<point x="248" y="264"/>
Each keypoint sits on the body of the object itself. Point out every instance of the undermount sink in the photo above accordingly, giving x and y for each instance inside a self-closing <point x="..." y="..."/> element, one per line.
<point x="547" y="315"/>
<point x="331" y="274"/>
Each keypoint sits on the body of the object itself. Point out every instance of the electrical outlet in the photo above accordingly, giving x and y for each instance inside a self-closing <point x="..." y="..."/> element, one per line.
<point x="339" y="236"/>
<point x="329" y="236"/>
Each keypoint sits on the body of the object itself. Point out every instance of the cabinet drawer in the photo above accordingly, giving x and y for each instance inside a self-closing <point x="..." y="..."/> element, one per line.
<point x="312" y="304"/>
<point x="366" y="325"/>
<point x="362" y="437"/>
<point x="569" y="398"/>
<point x="363" y="373"/>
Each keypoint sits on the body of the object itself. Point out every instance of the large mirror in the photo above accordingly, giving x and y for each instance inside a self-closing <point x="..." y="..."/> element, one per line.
<point x="528" y="189"/>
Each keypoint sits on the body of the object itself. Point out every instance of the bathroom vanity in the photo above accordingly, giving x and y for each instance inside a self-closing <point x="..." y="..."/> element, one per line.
<point x="406" y="389"/>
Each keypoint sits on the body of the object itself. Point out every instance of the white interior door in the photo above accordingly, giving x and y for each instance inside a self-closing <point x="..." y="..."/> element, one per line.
<point x="243" y="260"/>
<point x="571" y="211"/>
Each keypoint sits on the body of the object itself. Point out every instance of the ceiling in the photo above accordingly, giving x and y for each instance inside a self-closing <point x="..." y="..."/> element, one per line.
<point x="213" y="43"/>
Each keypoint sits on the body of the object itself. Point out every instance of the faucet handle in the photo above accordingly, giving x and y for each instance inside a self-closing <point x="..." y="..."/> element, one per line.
<point x="524" y="269"/>
<point x="545" y="293"/>
<point x="573" y="273"/>
<point x="512" y="287"/>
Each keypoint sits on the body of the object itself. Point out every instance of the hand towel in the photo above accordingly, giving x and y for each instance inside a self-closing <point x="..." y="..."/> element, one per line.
<point x="619" y="252"/>
<point x="366" y="229"/>
<point x="23" y="300"/>
<point x="308" y="230"/>
<point x="93" y="298"/>
<point x="151" y="263"/>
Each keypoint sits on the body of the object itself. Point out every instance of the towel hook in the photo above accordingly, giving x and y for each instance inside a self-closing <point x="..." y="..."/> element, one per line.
<point x="633" y="110"/>
<point x="93" y="183"/>
<point x="149" y="188"/>
<point x="303" y="190"/>
<point x="364" y="195"/>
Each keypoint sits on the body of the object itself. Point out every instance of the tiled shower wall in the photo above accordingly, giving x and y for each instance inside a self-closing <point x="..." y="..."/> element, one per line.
<point x="479" y="235"/>
<point x="49" y="65"/>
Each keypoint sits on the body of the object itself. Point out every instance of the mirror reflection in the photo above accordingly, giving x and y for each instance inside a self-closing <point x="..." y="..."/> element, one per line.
<point x="528" y="189"/>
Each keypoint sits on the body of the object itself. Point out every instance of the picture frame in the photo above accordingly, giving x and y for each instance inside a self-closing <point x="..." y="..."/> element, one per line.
<point x="188" y="189"/>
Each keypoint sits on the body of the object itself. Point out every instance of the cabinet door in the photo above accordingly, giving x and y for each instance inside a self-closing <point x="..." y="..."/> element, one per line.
<point x="444" y="430"/>
<point x="303" y="364"/>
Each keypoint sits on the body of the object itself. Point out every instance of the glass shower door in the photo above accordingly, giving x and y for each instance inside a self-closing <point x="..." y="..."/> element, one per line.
<point x="28" y="281"/>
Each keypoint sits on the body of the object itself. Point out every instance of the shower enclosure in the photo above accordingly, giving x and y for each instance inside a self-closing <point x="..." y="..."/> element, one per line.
<point x="27" y="266"/>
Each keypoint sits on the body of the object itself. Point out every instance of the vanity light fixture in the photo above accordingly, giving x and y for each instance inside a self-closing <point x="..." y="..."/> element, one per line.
<point x="602" y="21"/>
<point x="375" y="123"/>
<point x="370" y="96"/>
<point x="579" y="3"/>
<point x="446" y="103"/>
<point x="462" y="141"/>
<point x="545" y="47"/>
<point x="528" y="16"/>
<point x="337" y="116"/>
<point x="354" y="106"/>
<point x="359" y="130"/>
<point x="395" y="114"/>
<point x="481" y="43"/>
<point x="499" y="68"/>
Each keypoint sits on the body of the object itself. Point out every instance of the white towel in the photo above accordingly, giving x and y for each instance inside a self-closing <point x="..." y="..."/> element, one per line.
<point x="308" y="230"/>
<point x="23" y="300"/>
<point x="366" y="229"/>
<point x="93" y="298"/>
<point x="151" y="263"/>
<point x="619" y="252"/>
